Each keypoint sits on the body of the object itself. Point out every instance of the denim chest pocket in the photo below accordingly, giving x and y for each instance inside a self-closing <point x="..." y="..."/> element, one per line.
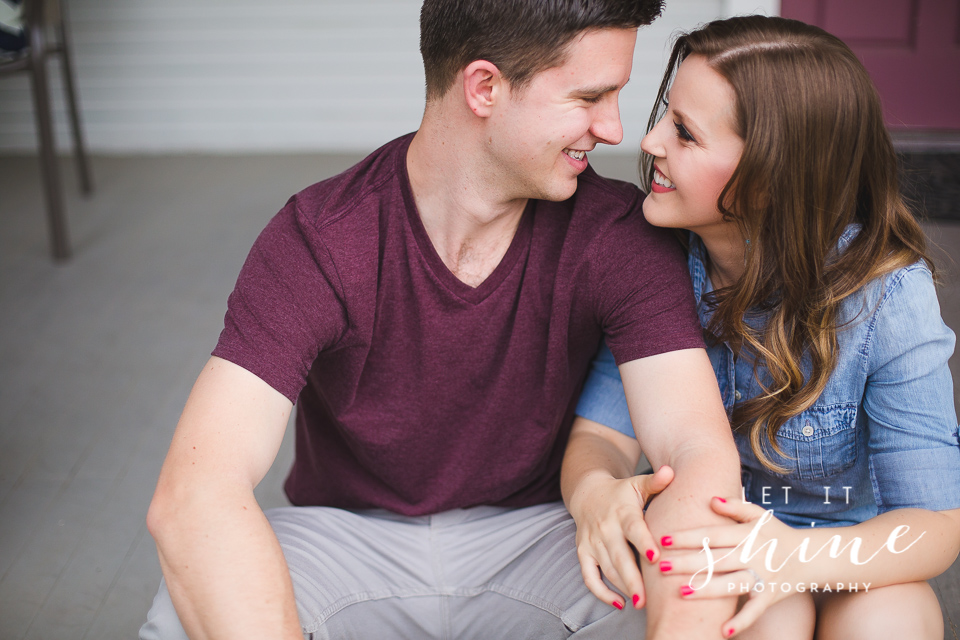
<point x="820" y="442"/>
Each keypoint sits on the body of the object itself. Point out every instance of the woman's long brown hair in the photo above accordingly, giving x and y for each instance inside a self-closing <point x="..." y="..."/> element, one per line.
<point x="816" y="159"/>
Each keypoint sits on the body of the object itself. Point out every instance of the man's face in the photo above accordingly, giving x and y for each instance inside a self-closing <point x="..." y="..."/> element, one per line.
<point x="540" y="135"/>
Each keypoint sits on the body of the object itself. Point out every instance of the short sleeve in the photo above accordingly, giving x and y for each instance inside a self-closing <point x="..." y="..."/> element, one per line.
<point x="602" y="399"/>
<point x="646" y="300"/>
<point x="285" y="307"/>
<point x="914" y="451"/>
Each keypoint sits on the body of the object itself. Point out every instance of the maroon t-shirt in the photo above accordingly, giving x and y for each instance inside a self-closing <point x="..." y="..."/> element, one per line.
<point x="416" y="392"/>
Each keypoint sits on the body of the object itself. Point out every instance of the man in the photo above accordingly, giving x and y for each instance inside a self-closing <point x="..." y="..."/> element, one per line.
<point x="433" y="312"/>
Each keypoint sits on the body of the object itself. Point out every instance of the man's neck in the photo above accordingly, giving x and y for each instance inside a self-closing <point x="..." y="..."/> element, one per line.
<point x="468" y="221"/>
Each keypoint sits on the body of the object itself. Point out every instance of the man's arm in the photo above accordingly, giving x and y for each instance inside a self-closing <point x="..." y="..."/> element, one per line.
<point x="221" y="560"/>
<point x="680" y="421"/>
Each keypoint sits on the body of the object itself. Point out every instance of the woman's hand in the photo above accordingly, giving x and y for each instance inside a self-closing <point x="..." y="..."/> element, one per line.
<point x="609" y="516"/>
<point x="737" y="562"/>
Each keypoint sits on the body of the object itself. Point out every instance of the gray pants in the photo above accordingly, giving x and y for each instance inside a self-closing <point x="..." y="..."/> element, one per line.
<point x="485" y="573"/>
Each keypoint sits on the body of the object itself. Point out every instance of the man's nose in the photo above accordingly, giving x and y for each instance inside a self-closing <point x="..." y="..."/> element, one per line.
<point x="607" y="127"/>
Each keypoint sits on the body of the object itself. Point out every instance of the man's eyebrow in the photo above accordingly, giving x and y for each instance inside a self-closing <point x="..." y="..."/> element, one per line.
<point x="596" y="91"/>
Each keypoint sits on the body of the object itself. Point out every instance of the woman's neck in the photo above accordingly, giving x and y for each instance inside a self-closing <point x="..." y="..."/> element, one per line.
<point x="726" y="252"/>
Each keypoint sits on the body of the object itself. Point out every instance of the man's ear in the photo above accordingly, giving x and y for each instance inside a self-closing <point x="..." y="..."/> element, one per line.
<point x="482" y="87"/>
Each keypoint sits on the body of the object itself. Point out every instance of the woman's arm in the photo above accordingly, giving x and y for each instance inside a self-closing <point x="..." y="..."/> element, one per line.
<point x="908" y="400"/>
<point x="770" y="561"/>
<point x="910" y="545"/>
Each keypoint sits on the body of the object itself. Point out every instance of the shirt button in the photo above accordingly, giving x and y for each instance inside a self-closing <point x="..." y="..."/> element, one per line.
<point x="736" y="394"/>
<point x="807" y="431"/>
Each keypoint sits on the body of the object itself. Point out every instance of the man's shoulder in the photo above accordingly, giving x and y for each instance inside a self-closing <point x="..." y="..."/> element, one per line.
<point x="365" y="185"/>
<point x="609" y="214"/>
<point x="603" y="206"/>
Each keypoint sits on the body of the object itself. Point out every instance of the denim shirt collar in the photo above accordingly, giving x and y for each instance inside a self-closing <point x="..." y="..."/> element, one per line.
<point x="696" y="264"/>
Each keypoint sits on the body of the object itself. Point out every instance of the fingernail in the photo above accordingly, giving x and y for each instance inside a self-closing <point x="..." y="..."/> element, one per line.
<point x="665" y="566"/>
<point x="666" y="541"/>
<point x="685" y="590"/>
<point x="650" y="555"/>
<point x="730" y="632"/>
<point x="618" y="604"/>
<point x="720" y="499"/>
<point x="636" y="599"/>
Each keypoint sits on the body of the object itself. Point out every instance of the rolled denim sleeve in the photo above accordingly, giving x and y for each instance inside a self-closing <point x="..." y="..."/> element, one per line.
<point x="602" y="399"/>
<point x="914" y="450"/>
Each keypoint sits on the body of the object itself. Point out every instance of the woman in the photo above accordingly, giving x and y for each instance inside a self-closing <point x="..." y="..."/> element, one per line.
<point x="822" y="323"/>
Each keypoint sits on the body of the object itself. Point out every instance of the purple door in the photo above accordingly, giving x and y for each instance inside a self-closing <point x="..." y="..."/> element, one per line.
<point x="910" y="47"/>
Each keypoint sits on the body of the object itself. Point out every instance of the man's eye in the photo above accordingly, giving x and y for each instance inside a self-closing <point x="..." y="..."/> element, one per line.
<point x="682" y="133"/>
<point x="592" y="99"/>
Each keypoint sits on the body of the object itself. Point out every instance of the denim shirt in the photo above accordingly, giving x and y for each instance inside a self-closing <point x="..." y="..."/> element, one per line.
<point x="883" y="434"/>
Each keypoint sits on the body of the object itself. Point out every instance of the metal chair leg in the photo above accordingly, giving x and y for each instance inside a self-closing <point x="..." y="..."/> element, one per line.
<point x="83" y="163"/>
<point x="59" y="239"/>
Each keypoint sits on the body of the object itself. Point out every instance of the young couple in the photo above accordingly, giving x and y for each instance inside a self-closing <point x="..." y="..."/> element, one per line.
<point x="433" y="312"/>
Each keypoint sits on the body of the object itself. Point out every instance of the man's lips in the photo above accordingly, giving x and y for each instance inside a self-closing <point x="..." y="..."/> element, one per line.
<point x="577" y="158"/>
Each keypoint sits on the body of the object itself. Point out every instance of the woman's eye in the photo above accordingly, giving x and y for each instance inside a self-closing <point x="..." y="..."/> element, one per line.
<point x="682" y="133"/>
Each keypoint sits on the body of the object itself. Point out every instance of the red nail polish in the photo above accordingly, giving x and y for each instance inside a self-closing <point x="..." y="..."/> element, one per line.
<point x="685" y="590"/>
<point x="650" y="555"/>
<point x="618" y="604"/>
<point x="665" y="566"/>
<point x="721" y="499"/>
<point x="636" y="599"/>
<point x="666" y="541"/>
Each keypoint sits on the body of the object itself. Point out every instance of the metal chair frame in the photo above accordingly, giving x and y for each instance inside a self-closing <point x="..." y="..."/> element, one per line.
<point x="39" y="18"/>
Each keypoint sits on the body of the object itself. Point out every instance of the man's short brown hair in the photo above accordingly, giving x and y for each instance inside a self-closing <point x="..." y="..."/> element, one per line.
<point x="521" y="37"/>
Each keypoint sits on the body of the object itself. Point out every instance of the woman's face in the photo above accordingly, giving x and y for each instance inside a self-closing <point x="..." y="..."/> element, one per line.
<point x="695" y="150"/>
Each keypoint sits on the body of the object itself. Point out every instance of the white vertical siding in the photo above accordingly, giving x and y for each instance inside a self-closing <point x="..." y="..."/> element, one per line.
<point x="289" y="75"/>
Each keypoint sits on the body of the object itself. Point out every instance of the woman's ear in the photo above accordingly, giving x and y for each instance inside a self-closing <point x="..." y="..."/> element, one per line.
<point x="482" y="87"/>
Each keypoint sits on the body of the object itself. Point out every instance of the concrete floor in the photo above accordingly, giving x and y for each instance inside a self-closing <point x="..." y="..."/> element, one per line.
<point x="98" y="355"/>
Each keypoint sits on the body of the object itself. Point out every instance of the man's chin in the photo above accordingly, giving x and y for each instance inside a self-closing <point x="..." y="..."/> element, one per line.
<point x="559" y="192"/>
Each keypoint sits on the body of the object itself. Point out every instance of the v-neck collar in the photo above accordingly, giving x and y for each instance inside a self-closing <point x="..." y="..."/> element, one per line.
<point x="472" y="295"/>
